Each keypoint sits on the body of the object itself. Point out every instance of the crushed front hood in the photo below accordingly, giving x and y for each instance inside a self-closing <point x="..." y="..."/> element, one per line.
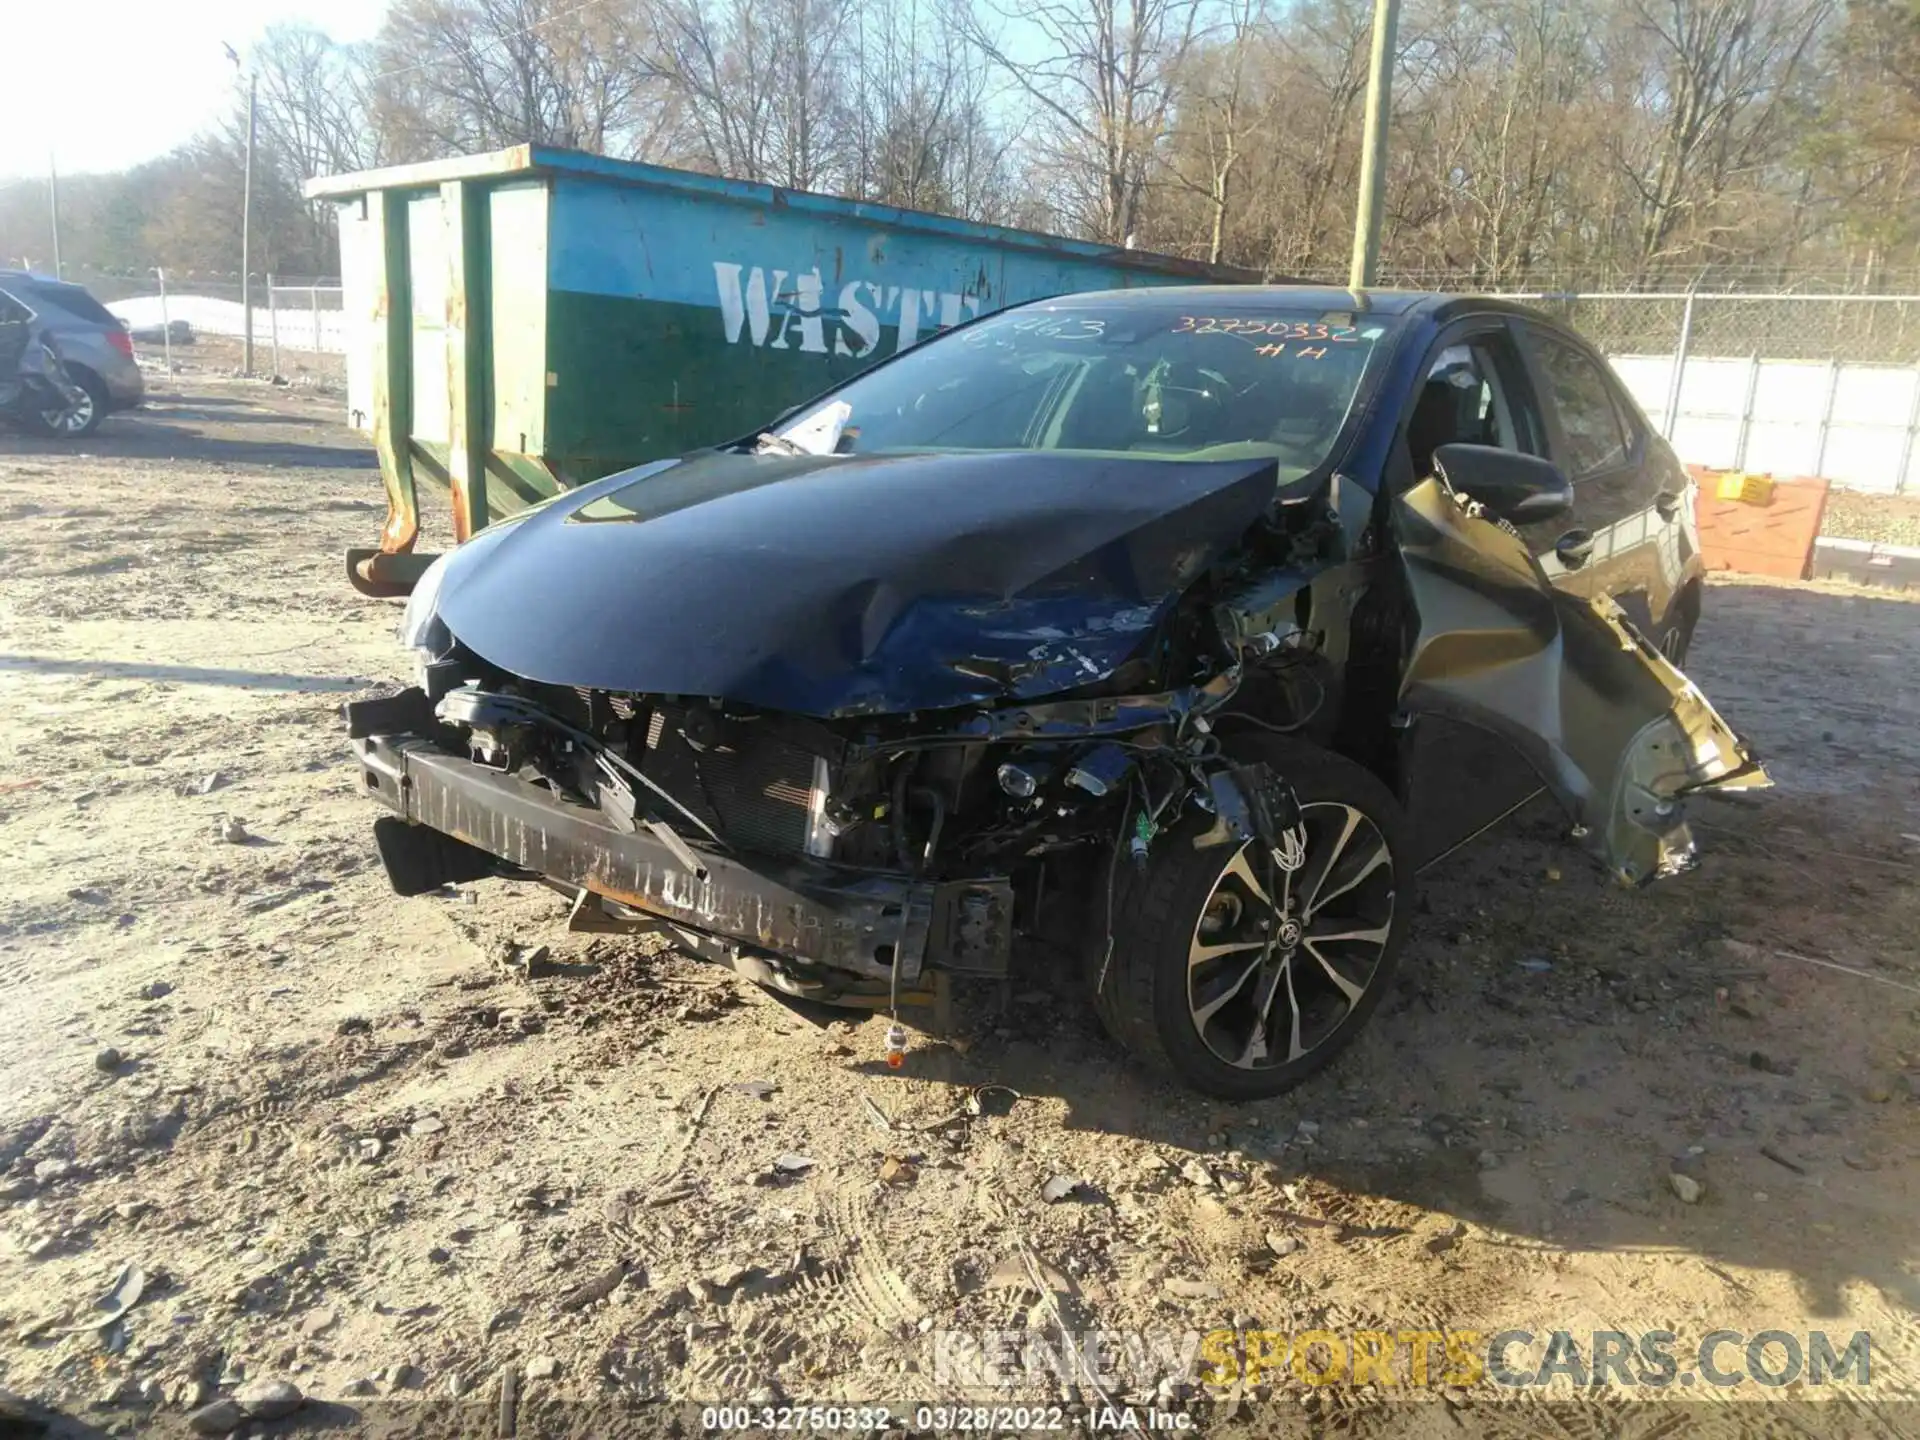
<point x="832" y="586"/>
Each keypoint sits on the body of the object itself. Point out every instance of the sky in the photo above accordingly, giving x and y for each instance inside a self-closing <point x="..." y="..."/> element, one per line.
<point x="103" y="84"/>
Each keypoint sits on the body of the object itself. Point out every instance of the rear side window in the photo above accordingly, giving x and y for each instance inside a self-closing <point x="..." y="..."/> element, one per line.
<point x="12" y="312"/>
<point x="1589" y="418"/>
<point x="75" y="301"/>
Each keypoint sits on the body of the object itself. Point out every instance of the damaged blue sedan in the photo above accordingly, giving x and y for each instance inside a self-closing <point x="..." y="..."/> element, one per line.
<point x="1158" y="622"/>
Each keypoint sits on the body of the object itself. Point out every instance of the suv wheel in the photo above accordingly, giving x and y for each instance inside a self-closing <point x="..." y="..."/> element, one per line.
<point x="81" y="418"/>
<point x="1242" y="980"/>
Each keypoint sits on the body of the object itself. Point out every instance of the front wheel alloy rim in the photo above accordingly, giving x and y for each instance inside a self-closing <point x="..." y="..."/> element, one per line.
<point x="72" y="420"/>
<point x="1278" y="962"/>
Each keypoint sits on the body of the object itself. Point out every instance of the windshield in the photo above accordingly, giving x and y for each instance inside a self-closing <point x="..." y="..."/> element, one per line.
<point x="1127" y="379"/>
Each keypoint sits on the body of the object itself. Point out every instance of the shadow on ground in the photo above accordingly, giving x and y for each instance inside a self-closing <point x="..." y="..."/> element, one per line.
<point x="1553" y="1046"/>
<point x="211" y="430"/>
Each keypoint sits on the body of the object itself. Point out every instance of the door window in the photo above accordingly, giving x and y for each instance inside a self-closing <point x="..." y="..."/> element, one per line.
<point x="1472" y="395"/>
<point x="1589" y="418"/>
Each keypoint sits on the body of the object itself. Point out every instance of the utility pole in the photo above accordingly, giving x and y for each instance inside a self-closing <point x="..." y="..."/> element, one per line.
<point x="53" y="205"/>
<point x="1373" y="157"/>
<point x="246" y="232"/>
<point x="246" y="220"/>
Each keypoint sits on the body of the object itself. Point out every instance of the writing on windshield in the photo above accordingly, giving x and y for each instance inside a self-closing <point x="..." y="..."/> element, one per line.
<point x="1134" y="379"/>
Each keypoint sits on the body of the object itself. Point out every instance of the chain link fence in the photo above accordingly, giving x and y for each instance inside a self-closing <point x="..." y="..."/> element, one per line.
<point x="1862" y="329"/>
<point x="1791" y="384"/>
<point x="306" y="315"/>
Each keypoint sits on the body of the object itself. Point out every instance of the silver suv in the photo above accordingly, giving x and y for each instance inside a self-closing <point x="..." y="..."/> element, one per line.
<point x="95" y="346"/>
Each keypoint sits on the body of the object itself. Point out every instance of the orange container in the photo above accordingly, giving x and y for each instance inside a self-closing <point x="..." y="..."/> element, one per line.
<point x="1773" y="536"/>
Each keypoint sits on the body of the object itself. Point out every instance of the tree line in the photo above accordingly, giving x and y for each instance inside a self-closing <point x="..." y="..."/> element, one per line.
<point x="1533" y="143"/>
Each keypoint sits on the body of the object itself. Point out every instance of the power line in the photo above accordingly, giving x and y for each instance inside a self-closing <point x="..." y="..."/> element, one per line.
<point x="492" y="43"/>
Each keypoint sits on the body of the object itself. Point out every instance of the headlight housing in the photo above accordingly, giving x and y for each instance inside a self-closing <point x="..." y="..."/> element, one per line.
<point x="421" y="629"/>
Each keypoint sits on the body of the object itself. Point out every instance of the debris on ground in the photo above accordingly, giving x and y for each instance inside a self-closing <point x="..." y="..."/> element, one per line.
<point x="221" y="1417"/>
<point x="317" y="1322"/>
<point x="1686" y="1187"/>
<point x="1781" y="1158"/>
<point x="1059" y="1188"/>
<point x="269" y="1399"/>
<point x="122" y="1296"/>
<point x="599" y="1287"/>
<point x="206" y="784"/>
<point x="1182" y="1289"/>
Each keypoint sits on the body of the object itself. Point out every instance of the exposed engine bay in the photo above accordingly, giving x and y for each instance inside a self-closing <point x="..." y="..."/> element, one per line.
<point x="963" y="810"/>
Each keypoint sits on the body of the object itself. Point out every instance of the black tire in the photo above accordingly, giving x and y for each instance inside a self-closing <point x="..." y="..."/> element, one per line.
<point x="96" y="410"/>
<point x="1141" y="992"/>
<point x="1675" y="638"/>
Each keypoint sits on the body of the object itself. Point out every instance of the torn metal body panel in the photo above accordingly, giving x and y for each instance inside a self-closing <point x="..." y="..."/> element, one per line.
<point x="1615" y="732"/>
<point x="1135" y="623"/>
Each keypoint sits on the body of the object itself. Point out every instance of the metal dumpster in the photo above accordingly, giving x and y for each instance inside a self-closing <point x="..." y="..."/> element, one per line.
<point x="531" y="319"/>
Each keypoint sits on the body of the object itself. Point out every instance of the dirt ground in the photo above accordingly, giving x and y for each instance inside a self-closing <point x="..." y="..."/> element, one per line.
<point x="352" y="1142"/>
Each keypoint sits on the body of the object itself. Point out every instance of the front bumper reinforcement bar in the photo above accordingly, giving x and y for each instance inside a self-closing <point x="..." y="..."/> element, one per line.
<point x="846" y="920"/>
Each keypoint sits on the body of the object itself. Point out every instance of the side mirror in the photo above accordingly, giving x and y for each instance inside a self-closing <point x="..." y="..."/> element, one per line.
<point x="1520" y="489"/>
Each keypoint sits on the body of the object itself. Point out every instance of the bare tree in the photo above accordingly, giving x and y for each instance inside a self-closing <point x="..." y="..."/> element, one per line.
<point x="464" y="75"/>
<point x="758" y="86"/>
<point x="1866" y="139"/>
<point x="313" y="94"/>
<point x="1722" y="78"/>
<point x="1101" y="86"/>
<point x="919" y="132"/>
<point x="1218" y="117"/>
<point x="1532" y="142"/>
<point x="1315" y="66"/>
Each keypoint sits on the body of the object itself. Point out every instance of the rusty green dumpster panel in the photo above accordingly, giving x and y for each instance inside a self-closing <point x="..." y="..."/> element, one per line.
<point x="533" y="319"/>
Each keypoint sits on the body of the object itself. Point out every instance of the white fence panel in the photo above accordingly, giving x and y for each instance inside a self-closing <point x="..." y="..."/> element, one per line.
<point x="1783" y="431"/>
<point x="1851" y="424"/>
<point x="1871" y="428"/>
